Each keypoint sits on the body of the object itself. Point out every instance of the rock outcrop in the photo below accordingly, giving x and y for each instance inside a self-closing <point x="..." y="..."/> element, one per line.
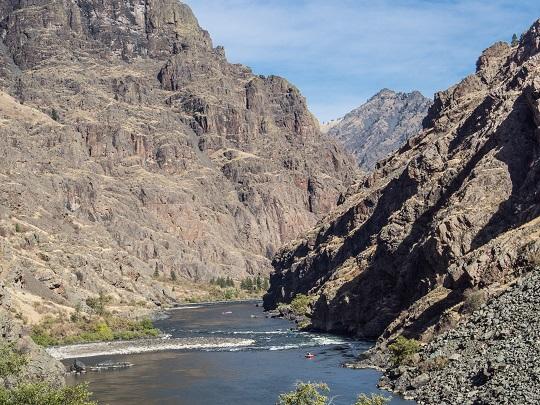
<point x="131" y="147"/>
<point x="491" y="358"/>
<point x="454" y="210"/>
<point x="381" y="126"/>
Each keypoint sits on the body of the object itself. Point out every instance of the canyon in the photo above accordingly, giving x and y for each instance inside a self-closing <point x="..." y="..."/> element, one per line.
<point x="135" y="153"/>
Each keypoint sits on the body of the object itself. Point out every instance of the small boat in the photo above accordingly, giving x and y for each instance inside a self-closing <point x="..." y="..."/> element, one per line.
<point x="226" y="313"/>
<point x="309" y="355"/>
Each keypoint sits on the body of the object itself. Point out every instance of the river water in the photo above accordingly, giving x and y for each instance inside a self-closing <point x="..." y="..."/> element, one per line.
<point x="262" y="358"/>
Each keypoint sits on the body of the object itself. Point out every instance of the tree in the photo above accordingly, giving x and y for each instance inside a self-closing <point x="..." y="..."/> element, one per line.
<point x="229" y="282"/>
<point x="305" y="394"/>
<point x="156" y="273"/>
<point x="54" y="114"/>
<point x="99" y="304"/>
<point x="76" y="316"/>
<point x="258" y="283"/>
<point x="173" y="276"/>
<point x="266" y="284"/>
<point x="402" y="350"/>
<point x="514" y="40"/>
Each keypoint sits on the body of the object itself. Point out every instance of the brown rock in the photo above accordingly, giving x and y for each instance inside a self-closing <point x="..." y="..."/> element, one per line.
<point x="455" y="208"/>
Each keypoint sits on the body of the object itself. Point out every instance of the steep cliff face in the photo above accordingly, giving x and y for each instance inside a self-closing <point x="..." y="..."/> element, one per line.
<point x="455" y="209"/>
<point x="381" y="126"/>
<point x="131" y="146"/>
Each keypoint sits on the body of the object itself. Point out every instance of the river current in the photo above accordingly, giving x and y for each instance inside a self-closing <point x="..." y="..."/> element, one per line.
<point x="227" y="353"/>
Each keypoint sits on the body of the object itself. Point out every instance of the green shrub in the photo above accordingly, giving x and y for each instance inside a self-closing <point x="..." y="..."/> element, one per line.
<point x="98" y="304"/>
<point x="54" y="114"/>
<point x="18" y="228"/>
<point x="305" y="394"/>
<point x="301" y="304"/>
<point x="55" y="332"/>
<point x="44" y="394"/>
<point x="43" y="338"/>
<point x="402" y="350"/>
<point x="11" y="361"/>
<point x="76" y="315"/>
<point x="374" y="399"/>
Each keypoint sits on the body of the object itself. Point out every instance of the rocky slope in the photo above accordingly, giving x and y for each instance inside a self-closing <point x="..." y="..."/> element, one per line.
<point x="131" y="146"/>
<point x="492" y="358"/>
<point x="455" y="210"/>
<point x="381" y="126"/>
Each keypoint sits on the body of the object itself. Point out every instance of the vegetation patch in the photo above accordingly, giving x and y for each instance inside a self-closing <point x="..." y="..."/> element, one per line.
<point x="373" y="399"/>
<point x="300" y="306"/>
<point x="56" y="331"/>
<point x="402" y="350"/>
<point x="317" y="394"/>
<point x="226" y="289"/>
<point x="306" y="394"/>
<point x="95" y="327"/>
<point x="12" y="364"/>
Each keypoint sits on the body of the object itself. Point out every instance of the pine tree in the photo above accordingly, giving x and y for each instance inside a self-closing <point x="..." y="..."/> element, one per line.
<point x="54" y="114"/>
<point x="156" y="273"/>
<point x="220" y="282"/>
<point x="266" y="284"/>
<point x="514" y="40"/>
<point x="229" y="282"/>
<point x="173" y="275"/>
<point x="258" y="283"/>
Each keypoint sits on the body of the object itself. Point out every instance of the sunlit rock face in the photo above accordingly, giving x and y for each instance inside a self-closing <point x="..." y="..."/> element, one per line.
<point x="132" y="149"/>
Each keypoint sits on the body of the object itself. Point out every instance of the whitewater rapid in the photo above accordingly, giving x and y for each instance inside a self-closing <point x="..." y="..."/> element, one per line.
<point x="145" y="346"/>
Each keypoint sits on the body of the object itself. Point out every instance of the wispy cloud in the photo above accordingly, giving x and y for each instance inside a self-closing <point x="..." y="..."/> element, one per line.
<point x="341" y="52"/>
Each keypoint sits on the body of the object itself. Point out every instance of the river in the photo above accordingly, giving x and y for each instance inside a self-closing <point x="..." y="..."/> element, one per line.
<point x="263" y="357"/>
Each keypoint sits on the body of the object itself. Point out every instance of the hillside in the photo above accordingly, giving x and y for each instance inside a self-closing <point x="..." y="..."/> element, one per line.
<point x="135" y="153"/>
<point x="452" y="212"/>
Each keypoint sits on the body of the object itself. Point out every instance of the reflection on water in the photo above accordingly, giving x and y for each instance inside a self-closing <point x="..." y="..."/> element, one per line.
<point x="239" y="375"/>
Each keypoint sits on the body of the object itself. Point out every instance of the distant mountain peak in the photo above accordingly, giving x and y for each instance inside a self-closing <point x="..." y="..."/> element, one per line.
<point x="380" y="126"/>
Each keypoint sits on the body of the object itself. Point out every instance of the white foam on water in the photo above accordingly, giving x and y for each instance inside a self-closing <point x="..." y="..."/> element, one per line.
<point x="250" y="332"/>
<point x="186" y="307"/>
<point x="328" y="340"/>
<point x="143" y="346"/>
<point x="239" y="332"/>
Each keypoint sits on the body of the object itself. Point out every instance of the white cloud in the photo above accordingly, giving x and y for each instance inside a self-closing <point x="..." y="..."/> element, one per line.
<point x="343" y="50"/>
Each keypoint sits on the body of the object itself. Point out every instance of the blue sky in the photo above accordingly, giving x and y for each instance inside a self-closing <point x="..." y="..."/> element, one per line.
<point x="341" y="52"/>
